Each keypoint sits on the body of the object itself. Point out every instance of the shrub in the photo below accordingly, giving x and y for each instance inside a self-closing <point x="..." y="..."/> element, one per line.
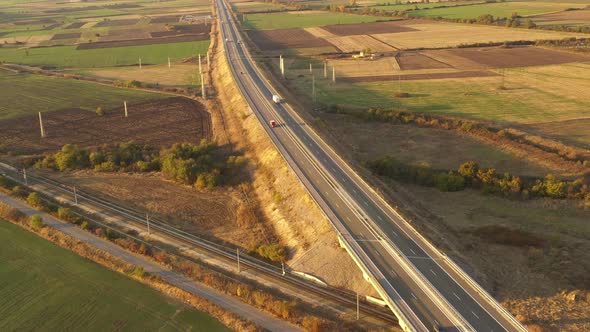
<point x="71" y="157"/>
<point x="66" y="214"/>
<point x="449" y="182"/>
<point x="34" y="200"/>
<point x="10" y="213"/>
<point x="84" y="225"/>
<point x="99" y="111"/>
<point x="138" y="272"/>
<point x="274" y="252"/>
<point x="36" y="222"/>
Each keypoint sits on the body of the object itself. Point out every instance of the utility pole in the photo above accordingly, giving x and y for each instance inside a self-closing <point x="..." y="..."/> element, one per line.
<point x="25" y="176"/>
<point x="334" y="74"/>
<point x="282" y="65"/>
<point x="358" y="305"/>
<point x="41" y="125"/>
<point x="313" y="87"/>
<point x="200" y="66"/>
<point x="168" y="62"/>
<point x="125" y="106"/>
<point x="208" y="60"/>
<point x="325" y="69"/>
<point x="283" y="267"/>
<point x="310" y="68"/>
<point x="238" y="254"/>
<point x="75" y="196"/>
<point x="140" y="63"/>
<point x="203" y="87"/>
<point x="147" y="220"/>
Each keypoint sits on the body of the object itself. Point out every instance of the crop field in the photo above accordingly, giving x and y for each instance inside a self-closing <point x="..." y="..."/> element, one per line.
<point x="503" y="9"/>
<point x="370" y="28"/>
<point x="179" y="74"/>
<point x="255" y="6"/>
<point x="59" y="290"/>
<point x="443" y="35"/>
<point x="302" y="19"/>
<point x="382" y="5"/>
<point x="25" y="94"/>
<point x="569" y="18"/>
<point x="69" y="56"/>
<point x="159" y="123"/>
<point x="532" y="95"/>
<point x="269" y="40"/>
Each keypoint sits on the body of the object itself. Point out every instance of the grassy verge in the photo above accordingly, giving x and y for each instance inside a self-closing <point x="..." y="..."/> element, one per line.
<point x="59" y="290"/>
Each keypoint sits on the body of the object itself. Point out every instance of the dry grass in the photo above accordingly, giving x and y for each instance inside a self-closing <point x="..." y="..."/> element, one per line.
<point x="439" y="35"/>
<point x="359" y="43"/>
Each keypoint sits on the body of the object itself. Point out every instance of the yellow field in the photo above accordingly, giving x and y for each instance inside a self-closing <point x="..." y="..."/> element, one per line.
<point x="439" y="35"/>
<point x="378" y="67"/>
<point x="179" y="74"/>
<point x="358" y="43"/>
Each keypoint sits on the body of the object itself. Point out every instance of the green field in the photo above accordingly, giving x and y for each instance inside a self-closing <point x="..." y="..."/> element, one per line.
<point x="303" y="20"/>
<point x="403" y="7"/>
<point x="23" y="94"/>
<point x="504" y="9"/>
<point x="47" y="288"/>
<point x="68" y="56"/>
<point x="535" y="95"/>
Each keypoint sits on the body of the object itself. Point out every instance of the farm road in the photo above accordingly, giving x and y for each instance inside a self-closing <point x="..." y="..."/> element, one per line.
<point x="230" y="304"/>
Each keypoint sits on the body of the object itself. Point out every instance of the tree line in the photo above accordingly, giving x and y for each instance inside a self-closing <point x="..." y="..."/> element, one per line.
<point x="488" y="180"/>
<point x="200" y="165"/>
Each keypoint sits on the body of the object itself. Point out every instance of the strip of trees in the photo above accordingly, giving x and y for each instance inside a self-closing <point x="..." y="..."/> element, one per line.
<point x="488" y="180"/>
<point x="192" y="164"/>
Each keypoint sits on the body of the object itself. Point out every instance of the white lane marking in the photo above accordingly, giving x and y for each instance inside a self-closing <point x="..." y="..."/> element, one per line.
<point x="377" y="252"/>
<point x="393" y="273"/>
<point x="414" y="296"/>
<point x="343" y="180"/>
<point x="433" y="272"/>
<point x="380" y="218"/>
<point x="457" y="296"/>
<point x="366" y="204"/>
<point x="474" y="314"/>
<point x="354" y="191"/>
<point x="413" y="252"/>
<point x="436" y="322"/>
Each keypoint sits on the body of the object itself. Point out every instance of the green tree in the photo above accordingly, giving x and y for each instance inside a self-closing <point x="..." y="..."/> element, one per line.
<point x="36" y="222"/>
<point x="34" y="200"/>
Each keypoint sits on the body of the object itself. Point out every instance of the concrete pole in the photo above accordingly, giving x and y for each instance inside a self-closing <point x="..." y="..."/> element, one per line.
<point x="25" y="176"/>
<point x="310" y="68"/>
<point x="313" y="87"/>
<point x="283" y="267"/>
<point x="334" y="74"/>
<point x="200" y="66"/>
<point x="75" y="196"/>
<point x="147" y="220"/>
<point x="282" y="65"/>
<point x="169" y="63"/>
<point x="203" y="87"/>
<point x="208" y="60"/>
<point x="358" y="305"/>
<point x="41" y="125"/>
<point x="125" y="105"/>
<point x="325" y="69"/>
<point x="139" y="63"/>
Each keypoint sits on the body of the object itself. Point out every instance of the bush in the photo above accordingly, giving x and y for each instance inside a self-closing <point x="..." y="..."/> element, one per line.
<point x="99" y="111"/>
<point x="66" y="214"/>
<point x="34" y="200"/>
<point x="138" y="272"/>
<point x="274" y="252"/>
<point x="36" y="222"/>
<point x="84" y="225"/>
<point x="10" y="213"/>
<point x="449" y="182"/>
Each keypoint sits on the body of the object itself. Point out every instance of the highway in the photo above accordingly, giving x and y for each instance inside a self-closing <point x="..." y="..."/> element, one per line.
<point x="423" y="287"/>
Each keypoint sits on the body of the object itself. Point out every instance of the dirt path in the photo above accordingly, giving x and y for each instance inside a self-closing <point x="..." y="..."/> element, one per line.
<point x="258" y="317"/>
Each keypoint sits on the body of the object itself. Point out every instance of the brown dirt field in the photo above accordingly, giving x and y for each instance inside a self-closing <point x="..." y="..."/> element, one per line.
<point x="574" y="132"/>
<point x="136" y="42"/>
<point x="165" y="19"/>
<point x="497" y="57"/>
<point x="66" y="35"/>
<point x="213" y="214"/>
<point x="124" y="34"/>
<point x="75" y="25"/>
<point x="269" y="40"/>
<point x="203" y="28"/>
<point x="116" y="23"/>
<point x="411" y="77"/>
<point x="158" y="123"/>
<point x="412" y="60"/>
<point x="570" y="15"/>
<point x="368" y="28"/>
<point x="35" y="22"/>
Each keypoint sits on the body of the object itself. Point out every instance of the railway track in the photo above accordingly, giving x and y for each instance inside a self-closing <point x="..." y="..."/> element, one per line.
<point x="218" y="250"/>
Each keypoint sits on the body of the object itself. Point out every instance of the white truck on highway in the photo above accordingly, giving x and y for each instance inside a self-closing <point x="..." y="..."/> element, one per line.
<point x="276" y="99"/>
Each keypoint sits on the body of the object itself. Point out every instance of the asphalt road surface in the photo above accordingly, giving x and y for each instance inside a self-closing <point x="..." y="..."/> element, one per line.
<point x="414" y="276"/>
